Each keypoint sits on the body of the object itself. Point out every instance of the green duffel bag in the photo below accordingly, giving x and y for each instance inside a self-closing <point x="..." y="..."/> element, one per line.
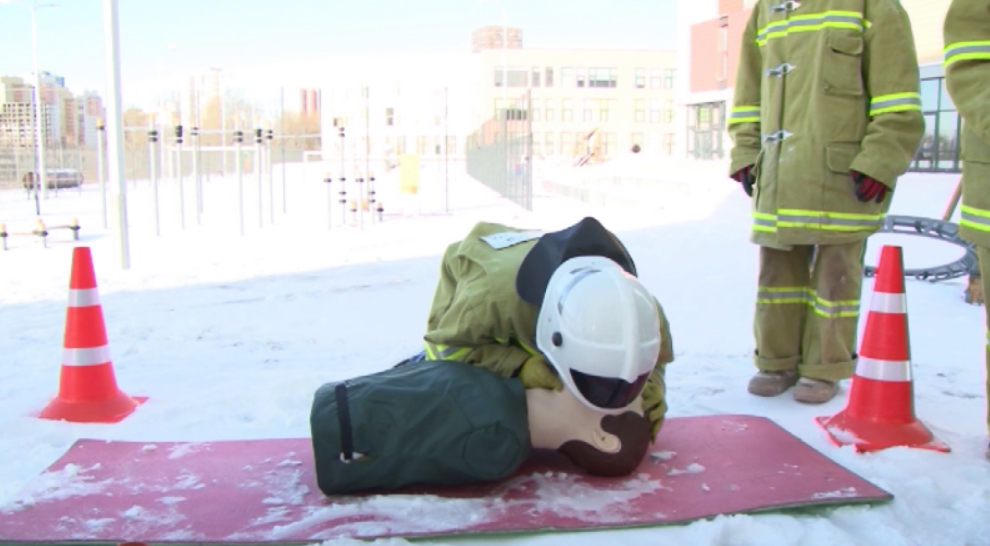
<point x="422" y="422"/>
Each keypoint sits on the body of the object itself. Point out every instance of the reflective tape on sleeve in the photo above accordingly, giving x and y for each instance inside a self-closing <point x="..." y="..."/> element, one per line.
<point x="83" y="297"/>
<point x="86" y="357"/>
<point x="883" y="370"/>
<point x="884" y="302"/>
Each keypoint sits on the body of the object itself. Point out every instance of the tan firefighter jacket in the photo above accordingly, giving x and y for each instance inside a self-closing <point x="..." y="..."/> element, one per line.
<point x="967" y="78"/>
<point x="823" y="87"/>
<point x="477" y="316"/>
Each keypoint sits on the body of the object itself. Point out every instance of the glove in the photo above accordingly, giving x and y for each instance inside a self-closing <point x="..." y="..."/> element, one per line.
<point x="536" y="373"/>
<point x="745" y="177"/>
<point x="867" y="188"/>
<point x="654" y="405"/>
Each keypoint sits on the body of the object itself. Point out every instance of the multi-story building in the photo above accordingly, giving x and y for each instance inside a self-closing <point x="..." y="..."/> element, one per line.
<point x="709" y="40"/>
<point x="583" y="100"/>
<point x="17" y="113"/>
<point x="496" y="37"/>
<point x="90" y="112"/>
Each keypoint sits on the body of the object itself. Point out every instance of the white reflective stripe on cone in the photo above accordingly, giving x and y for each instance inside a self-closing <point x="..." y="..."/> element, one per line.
<point x="883" y="370"/>
<point x="83" y="297"/>
<point x="86" y="357"/>
<point x="884" y="302"/>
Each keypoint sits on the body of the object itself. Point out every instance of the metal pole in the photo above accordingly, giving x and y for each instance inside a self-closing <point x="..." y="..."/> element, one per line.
<point x="100" y="131"/>
<point x="257" y="172"/>
<point x="343" y="192"/>
<point x="238" y="138"/>
<point x="178" y="172"/>
<point x="367" y="152"/>
<point x="282" y="100"/>
<point x="196" y="177"/>
<point x="153" y="142"/>
<point x="115" y="140"/>
<point x="40" y="121"/>
<point x="271" y="180"/>
<point x="329" y="180"/>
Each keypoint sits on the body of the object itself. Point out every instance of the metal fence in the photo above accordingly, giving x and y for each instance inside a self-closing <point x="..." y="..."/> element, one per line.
<point x="499" y="153"/>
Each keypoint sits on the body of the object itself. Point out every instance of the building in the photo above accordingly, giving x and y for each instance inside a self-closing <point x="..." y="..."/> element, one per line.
<point x="709" y="39"/>
<point x="583" y="100"/>
<point x="90" y="113"/>
<point x="17" y="113"/>
<point x="494" y="37"/>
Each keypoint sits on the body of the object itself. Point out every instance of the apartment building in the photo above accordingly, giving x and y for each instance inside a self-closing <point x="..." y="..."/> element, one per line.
<point x="709" y="39"/>
<point x="609" y="101"/>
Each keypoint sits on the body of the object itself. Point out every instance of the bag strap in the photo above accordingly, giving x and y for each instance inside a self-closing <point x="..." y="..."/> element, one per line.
<point x="344" y="418"/>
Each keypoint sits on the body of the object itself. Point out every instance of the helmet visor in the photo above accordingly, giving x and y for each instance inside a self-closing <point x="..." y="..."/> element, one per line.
<point x="608" y="392"/>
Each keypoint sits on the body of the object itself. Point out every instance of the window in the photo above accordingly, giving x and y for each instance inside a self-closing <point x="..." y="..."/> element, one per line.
<point x="609" y="146"/>
<point x="549" y="78"/>
<point x="668" y="78"/>
<point x="534" y="79"/>
<point x="548" y="112"/>
<point x="605" y="107"/>
<point x="580" y="77"/>
<point x="655" y="80"/>
<point x="655" y="111"/>
<point x="668" y="112"/>
<point x="566" y="110"/>
<point x="499" y="105"/>
<point x="400" y="145"/>
<point x="389" y="117"/>
<point x="639" y="108"/>
<point x="437" y="148"/>
<point x="589" y="110"/>
<point x="668" y="143"/>
<point x="549" y="141"/>
<point x="637" y="139"/>
<point x="640" y="78"/>
<point x="535" y="111"/>
<point x="451" y="144"/>
<point x="567" y="77"/>
<point x="602" y="77"/>
<point x="498" y="76"/>
<point x="566" y="144"/>
<point x="518" y="77"/>
<point x="537" y="146"/>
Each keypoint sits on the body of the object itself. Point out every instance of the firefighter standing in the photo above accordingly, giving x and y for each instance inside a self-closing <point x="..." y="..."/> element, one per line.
<point x="826" y="115"/>
<point x="966" y="35"/>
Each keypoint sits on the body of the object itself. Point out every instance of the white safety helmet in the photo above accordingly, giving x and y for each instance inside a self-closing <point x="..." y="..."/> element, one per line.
<point x="599" y="327"/>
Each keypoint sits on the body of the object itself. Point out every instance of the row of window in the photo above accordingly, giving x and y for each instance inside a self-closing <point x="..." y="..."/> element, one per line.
<point x="596" y="110"/>
<point x="575" y="144"/>
<point x="581" y="77"/>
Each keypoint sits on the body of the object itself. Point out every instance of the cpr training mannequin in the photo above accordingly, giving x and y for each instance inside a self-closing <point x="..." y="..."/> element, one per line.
<point x="433" y="422"/>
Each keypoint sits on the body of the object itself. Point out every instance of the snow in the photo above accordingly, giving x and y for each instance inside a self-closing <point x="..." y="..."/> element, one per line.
<point x="230" y="335"/>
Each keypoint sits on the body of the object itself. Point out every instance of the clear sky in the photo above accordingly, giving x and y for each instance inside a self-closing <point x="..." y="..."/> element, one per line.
<point x="219" y="33"/>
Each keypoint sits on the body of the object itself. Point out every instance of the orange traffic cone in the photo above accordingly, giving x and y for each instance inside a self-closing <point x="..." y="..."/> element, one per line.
<point x="87" y="390"/>
<point x="879" y="412"/>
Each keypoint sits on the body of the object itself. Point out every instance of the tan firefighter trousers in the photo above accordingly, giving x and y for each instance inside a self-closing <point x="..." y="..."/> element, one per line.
<point x="807" y="309"/>
<point x="984" y="254"/>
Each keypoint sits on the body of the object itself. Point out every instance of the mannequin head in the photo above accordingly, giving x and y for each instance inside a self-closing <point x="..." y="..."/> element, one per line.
<point x="602" y="442"/>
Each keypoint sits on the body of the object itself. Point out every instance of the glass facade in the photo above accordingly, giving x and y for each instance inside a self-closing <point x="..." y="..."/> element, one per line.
<point x="939" y="149"/>
<point x="705" y="130"/>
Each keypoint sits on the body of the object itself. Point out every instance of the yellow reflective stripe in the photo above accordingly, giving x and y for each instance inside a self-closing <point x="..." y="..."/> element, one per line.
<point x="744" y="114"/>
<point x="966" y="51"/>
<point x="812" y="22"/>
<point x="809" y="219"/>
<point x="974" y="218"/>
<point x="436" y="351"/>
<point x="895" y="102"/>
<point x="805" y="295"/>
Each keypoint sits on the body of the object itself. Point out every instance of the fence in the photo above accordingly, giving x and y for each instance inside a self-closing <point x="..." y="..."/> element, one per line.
<point x="499" y="153"/>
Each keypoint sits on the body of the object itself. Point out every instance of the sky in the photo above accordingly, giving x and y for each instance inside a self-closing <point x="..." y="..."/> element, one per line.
<point x="178" y="36"/>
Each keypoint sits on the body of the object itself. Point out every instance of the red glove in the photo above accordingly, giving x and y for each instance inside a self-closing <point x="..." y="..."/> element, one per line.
<point x="867" y="188"/>
<point x="745" y="177"/>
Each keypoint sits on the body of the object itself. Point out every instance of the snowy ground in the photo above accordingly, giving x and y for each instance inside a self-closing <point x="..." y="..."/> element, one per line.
<point x="230" y="336"/>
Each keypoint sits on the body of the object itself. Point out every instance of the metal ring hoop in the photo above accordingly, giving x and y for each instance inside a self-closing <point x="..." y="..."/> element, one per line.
<point x="968" y="264"/>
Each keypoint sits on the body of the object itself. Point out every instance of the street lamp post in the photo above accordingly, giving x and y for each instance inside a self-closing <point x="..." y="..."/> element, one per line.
<point x="115" y="144"/>
<point x="39" y="121"/>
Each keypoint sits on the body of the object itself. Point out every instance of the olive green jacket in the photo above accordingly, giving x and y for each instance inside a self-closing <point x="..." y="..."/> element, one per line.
<point x="966" y="35"/>
<point x="823" y="87"/>
<point x="476" y="315"/>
